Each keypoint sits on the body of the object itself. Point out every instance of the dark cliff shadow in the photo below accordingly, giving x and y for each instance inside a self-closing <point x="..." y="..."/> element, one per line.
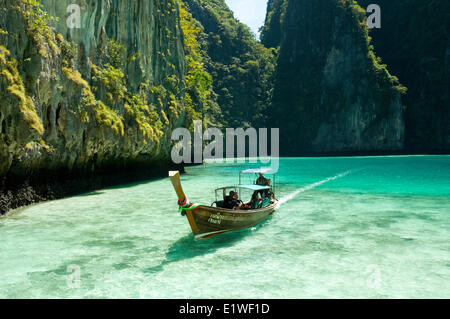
<point x="187" y="247"/>
<point x="137" y="183"/>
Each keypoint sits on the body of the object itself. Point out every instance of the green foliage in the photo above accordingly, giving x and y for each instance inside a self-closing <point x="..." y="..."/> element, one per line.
<point x="198" y="96"/>
<point x="10" y="73"/>
<point x="104" y="116"/>
<point x="75" y="77"/>
<point x="135" y="105"/>
<point x="146" y="117"/>
<point x="113" y="54"/>
<point x="37" y="145"/>
<point x="69" y="51"/>
<point x="271" y="31"/>
<point x="111" y="76"/>
<point x="241" y="69"/>
<point x="38" y="25"/>
<point x="113" y="79"/>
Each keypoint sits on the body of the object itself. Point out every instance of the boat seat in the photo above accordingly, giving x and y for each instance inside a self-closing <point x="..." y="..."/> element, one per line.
<point x="219" y="203"/>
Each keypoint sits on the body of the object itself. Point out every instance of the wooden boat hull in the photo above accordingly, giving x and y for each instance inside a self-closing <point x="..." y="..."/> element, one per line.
<point x="207" y="221"/>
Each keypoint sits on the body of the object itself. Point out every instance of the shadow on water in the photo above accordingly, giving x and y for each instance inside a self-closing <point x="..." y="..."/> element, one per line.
<point x="187" y="247"/>
<point x="138" y="183"/>
<point x="94" y="193"/>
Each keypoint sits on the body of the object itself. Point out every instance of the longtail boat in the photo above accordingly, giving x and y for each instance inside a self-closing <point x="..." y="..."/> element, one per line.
<point x="209" y="221"/>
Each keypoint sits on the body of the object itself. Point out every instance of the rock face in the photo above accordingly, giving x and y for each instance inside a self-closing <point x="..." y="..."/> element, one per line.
<point x="414" y="42"/>
<point x="85" y="101"/>
<point x="331" y="94"/>
<point x="271" y="32"/>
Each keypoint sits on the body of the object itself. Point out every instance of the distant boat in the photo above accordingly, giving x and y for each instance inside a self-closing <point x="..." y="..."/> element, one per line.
<point x="209" y="221"/>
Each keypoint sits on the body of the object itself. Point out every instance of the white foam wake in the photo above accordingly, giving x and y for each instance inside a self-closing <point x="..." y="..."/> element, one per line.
<point x="308" y="187"/>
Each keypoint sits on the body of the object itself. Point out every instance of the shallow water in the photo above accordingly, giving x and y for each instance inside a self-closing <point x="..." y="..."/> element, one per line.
<point x="347" y="228"/>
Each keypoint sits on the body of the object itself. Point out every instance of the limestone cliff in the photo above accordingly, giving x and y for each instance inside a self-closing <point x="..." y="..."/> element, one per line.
<point x="81" y="100"/>
<point x="414" y="42"/>
<point x="271" y="31"/>
<point x="331" y="93"/>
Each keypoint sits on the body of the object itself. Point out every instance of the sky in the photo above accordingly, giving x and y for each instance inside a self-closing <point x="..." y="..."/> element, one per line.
<point x="250" y="12"/>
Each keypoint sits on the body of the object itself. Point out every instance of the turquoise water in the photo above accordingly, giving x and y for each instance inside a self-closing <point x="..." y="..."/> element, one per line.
<point x="347" y="228"/>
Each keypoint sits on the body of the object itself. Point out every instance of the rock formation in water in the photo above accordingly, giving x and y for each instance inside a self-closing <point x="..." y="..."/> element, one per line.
<point x="79" y="101"/>
<point x="414" y="42"/>
<point x="331" y="94"/>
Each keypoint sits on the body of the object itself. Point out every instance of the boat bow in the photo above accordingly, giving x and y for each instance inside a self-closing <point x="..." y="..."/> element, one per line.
<point x="175" y="179"/>
<point x="183" y="201"/>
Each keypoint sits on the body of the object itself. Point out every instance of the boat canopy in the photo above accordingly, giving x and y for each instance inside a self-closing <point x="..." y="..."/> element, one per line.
<point x="250" y="187"/>
<point x="257" y="170"/>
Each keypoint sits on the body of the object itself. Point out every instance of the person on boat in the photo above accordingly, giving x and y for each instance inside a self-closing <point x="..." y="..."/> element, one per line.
<point x="255" y="201"/>
<point x="268" y="192"/>
<point x="236" y="203"/>
<point x="228" y="199"/>
<point x="262" y="180"/>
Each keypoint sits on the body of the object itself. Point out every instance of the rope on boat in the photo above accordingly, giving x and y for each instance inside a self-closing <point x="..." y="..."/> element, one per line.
<point x="185" y="205"/>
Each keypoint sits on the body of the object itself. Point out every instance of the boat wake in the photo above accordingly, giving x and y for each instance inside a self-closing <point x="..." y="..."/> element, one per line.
<point x="287" y="198"/>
